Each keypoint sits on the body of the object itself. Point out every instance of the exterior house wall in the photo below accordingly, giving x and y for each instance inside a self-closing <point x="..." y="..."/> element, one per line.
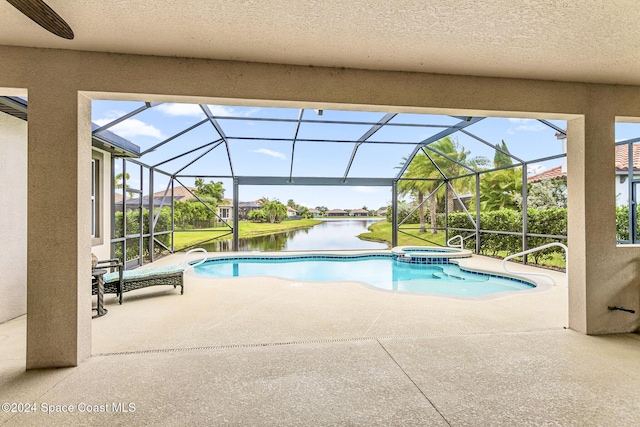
<point x="225" y="212"/>
<point x="13" y="217"/>
<point x="622" y="189"/>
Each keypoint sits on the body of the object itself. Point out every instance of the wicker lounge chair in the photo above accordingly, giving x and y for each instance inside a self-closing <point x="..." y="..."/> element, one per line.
<point x="118" y="282"/>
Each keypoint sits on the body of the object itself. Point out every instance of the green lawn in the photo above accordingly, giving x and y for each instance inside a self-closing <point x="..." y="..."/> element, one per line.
<point x="246" y="229"/>
<point x="381" y="232"/>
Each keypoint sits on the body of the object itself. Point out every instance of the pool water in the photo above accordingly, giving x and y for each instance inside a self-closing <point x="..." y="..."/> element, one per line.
<point x="380" y="271"/>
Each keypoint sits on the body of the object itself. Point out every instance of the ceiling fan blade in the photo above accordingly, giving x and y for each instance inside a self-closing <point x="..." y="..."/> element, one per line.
<point x="43" y="15"/>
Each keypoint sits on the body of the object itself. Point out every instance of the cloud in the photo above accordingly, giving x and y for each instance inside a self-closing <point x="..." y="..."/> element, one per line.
<point x="270" y="153"/>
<point x="223" y="110"/>
<point x="173" y="109"/>
<point x="525" y="125"/>
<point x="365" y="189"/>
<point x="131" y="127"/>
<point x="194" y="110"/>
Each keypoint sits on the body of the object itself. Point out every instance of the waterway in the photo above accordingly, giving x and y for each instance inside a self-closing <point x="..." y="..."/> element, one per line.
<point x="331" y="234"/>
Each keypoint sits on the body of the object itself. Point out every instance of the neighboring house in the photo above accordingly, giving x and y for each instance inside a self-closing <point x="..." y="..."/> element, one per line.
<point x="553" y="173"/>
<point x="225" y="210"/>
<point x="292" y="213"/>
<point x="245" y="207"/>
<point x="622" y="172"/>
<point x="559" y="172"/>
<point x="382" y="212"/>
<point x="336" y="212"/>
<point x="359" y="212"/>
<point x="315" y="212"/>
<point x="135" y="202"/>
<point x="180" y="193"/>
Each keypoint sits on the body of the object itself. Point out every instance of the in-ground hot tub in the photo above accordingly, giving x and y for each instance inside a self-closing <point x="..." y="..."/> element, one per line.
<point x="428" y="254"/>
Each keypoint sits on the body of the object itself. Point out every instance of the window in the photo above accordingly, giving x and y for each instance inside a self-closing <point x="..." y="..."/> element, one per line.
<point x="94" y="185"/>
<point x="97" y="185"/>
<point x="224" y="213"/>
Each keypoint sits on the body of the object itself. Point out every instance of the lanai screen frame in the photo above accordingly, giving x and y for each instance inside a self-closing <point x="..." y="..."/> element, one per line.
<point x="477" y="231"/>
<point x="422" y="146"/>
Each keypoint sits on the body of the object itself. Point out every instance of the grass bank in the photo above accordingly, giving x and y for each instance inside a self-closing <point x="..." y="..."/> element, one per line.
<point x="246" y="229"/>
<point x="381" y="232"/>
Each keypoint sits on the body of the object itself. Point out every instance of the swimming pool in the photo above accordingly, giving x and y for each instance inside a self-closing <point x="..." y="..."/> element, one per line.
<point x="381" y="271"/>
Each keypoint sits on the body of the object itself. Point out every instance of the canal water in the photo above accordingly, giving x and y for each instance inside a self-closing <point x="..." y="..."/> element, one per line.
<point x="331" y="234"/>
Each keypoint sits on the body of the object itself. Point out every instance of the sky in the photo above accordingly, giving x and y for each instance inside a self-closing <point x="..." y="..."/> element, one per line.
<point x="526" y="138"/>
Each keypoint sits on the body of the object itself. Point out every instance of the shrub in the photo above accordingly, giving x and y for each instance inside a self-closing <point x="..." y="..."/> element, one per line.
<point x="403" y="211"/>
<point x="540" y="221"/>
<point x="257" y="215"/>
<point x="133" y="227"/>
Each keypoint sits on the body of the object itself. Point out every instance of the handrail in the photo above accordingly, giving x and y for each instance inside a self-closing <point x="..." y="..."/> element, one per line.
<point x="186" y="265"/>
<point x="456" y="236"/>
<point x="548" y="245"/>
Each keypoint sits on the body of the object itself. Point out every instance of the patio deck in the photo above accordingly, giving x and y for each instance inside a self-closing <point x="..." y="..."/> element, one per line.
<point x="264" y="352"/>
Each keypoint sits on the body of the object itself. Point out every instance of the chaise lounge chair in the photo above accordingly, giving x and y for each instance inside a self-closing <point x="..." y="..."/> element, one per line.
<point x="118" y="282"/>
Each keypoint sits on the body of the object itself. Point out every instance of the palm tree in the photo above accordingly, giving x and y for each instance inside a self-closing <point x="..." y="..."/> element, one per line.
<point x="461" y="157"/>
<point x="421" y="167"/>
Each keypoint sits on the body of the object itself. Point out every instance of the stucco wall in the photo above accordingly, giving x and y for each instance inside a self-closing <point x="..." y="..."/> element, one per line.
<point x="13" y="217"/>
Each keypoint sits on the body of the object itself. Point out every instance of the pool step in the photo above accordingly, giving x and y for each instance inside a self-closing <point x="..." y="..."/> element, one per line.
<point x="447" y="274"/>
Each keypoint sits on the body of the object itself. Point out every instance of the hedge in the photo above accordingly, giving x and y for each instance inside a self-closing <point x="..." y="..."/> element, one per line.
<point x="540" y="221"/>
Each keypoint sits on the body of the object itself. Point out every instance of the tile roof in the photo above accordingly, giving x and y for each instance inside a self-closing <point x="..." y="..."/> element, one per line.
<point x="622" y="164"/>
<point x="553" y="173"/>
<point x="622" y="157"/>
<point x="179" y="193"/>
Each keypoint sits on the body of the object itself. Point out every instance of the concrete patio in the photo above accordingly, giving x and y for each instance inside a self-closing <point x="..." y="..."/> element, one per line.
<point x="264" y="352"/>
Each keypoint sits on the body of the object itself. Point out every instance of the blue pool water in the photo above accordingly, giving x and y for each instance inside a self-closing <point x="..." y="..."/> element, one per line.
<point x="380" y="271"/>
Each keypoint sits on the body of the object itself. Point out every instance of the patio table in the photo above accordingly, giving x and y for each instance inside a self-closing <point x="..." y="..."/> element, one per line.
<point x="98" y="274"/>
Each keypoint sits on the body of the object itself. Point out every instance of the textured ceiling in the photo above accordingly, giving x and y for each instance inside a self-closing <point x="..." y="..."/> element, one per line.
<point x="572" y="40"/>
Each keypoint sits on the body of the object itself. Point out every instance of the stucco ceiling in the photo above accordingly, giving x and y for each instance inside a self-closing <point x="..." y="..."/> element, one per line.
<point x="571" y="40"/>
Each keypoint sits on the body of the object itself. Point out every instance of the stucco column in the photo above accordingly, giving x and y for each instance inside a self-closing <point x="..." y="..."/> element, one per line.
<point x="59" y="240"/>
<point x="593" y="265"/>
<point x="13" y="217"/>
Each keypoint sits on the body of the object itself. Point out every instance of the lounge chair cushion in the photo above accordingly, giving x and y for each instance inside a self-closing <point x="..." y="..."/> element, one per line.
<point x="142" y="273"/>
